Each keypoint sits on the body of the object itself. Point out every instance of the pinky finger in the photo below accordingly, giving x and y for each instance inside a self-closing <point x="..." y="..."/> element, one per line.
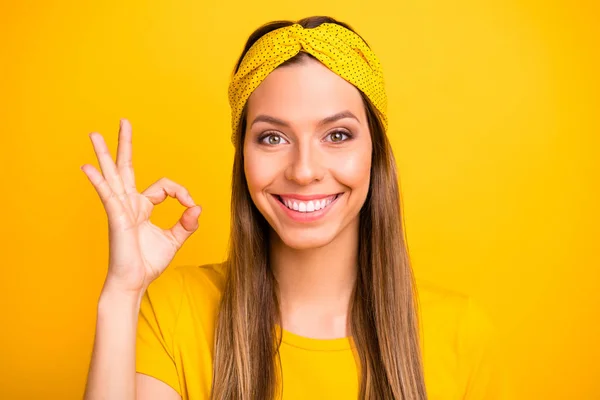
<point x="187" y="224"/>
<point x="111" y="202"/>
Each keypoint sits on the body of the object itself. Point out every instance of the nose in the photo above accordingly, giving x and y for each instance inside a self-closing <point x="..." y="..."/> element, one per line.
<point x="306" y="164"/>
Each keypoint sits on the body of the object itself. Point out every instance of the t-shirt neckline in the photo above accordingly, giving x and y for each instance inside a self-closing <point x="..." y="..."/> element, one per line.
<point x="307" y="343"/>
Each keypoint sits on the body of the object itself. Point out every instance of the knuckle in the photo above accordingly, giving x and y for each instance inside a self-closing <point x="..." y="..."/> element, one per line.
<point x="126" y="164"/>
<point x="111" y="196"/>
<point x="170" y="182"/>
<point x="102" y="185"/>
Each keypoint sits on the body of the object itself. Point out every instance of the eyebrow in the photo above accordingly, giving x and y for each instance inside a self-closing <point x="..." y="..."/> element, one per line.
<point x="324" y="121"/>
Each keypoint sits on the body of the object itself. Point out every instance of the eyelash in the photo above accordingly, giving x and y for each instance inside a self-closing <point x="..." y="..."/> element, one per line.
<point x="264" y="136"/>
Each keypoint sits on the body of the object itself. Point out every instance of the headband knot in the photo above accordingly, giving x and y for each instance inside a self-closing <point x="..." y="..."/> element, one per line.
<point x="339" y="49"/>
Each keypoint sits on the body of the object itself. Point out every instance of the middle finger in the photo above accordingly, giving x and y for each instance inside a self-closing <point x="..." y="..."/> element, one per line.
<point x="124" y="163"/>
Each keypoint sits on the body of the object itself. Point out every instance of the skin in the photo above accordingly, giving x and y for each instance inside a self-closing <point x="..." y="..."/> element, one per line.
<point x="139" y="251"/>
<point x="314" y="262"/>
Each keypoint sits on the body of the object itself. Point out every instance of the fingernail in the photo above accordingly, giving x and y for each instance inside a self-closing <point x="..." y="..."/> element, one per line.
<point x="191" y="200"/>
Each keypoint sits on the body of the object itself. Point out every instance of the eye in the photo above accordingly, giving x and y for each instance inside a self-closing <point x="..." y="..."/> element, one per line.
<point x="338" y="136"/>
<point x="271" y="139"/>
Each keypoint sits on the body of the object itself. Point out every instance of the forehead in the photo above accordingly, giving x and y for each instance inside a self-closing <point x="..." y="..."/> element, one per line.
<point x="305" y="92"/>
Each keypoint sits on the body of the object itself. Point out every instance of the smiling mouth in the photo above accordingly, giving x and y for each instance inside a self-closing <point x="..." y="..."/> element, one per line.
<point x="305" y="206"/>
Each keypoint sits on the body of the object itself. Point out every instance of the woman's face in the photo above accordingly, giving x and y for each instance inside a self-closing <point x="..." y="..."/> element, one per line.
<point x="307" y="153"/>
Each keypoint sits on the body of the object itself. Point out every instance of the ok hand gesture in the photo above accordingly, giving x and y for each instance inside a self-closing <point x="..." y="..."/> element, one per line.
<point x="139" y="250"/>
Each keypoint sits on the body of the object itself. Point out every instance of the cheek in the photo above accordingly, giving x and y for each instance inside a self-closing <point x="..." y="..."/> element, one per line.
<point x="353" y="169"/>
<point x="260" y="171"/>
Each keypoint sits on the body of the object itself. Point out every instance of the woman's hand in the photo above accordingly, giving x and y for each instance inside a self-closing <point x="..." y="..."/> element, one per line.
<point x="139" y="250"/>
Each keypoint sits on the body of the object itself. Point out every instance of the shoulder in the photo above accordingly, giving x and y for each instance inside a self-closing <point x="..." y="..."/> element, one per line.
<point x="209" y="277"/>
<point x="458" y="341"/>
<point x="176" y="279"/>
<point x="183" y="286"/>
<point x="175" y="332"/>
<point x="442" y="306"/>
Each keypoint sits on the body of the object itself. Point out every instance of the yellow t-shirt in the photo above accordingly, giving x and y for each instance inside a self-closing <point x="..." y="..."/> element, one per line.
<point x="176" y="330"/>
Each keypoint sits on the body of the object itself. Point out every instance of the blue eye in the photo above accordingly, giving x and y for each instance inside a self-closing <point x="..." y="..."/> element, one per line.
<point x="338" y="136"/>
<point x="272" y="139"/>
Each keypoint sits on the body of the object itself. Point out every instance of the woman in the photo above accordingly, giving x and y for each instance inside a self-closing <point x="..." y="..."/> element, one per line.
<point x="316" y="299"/>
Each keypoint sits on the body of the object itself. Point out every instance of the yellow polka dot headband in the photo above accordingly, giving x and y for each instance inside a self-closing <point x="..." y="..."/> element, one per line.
<point x="338" y="48"/>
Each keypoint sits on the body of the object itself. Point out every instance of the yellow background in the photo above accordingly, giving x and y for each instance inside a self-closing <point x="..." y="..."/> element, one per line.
<point x="494" y="120"/>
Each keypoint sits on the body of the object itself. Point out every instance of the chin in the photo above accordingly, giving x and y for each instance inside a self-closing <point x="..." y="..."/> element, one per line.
<point x="305" y="240"/>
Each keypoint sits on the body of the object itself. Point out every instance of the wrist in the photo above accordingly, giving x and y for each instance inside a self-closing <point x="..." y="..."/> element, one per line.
<point x="115" y="298"/>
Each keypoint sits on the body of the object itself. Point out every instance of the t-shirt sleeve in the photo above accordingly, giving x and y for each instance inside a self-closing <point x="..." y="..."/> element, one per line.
<point x="157" y="321"/>
<point x="480" y="361"/>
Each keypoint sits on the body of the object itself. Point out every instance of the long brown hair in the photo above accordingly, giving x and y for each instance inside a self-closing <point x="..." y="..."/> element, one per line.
<point x="383" y="314"/>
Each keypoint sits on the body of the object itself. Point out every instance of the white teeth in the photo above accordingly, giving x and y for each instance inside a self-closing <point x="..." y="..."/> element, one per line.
<point x="309" y="206"/>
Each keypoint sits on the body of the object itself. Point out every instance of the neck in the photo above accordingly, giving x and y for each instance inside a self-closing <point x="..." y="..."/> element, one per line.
<point x="315" y="285"/>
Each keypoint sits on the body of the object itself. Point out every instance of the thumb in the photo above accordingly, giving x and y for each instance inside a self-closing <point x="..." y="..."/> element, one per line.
<point x="187" y="224"/>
